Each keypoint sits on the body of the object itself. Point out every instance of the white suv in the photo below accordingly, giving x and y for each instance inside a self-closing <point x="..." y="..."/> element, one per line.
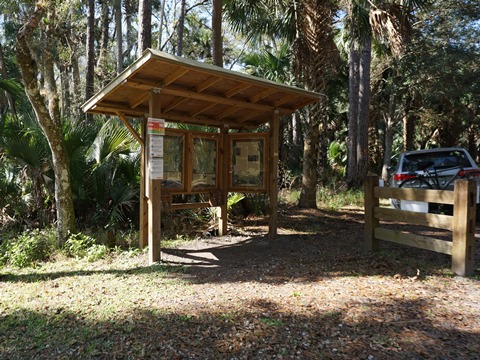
<point x="445" y="161"/>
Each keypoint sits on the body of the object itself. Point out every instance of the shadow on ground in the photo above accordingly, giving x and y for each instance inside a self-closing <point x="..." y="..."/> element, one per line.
<point x="312" y="245"/>
<point x="399" y="330"/>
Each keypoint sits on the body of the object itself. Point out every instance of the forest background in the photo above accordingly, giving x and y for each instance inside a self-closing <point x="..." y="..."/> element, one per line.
<point x="397" y="75"/>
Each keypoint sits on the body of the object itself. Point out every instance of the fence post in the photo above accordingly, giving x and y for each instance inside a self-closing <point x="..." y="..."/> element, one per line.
<point x="370" y="202"/>
<point x="463" y="246"/>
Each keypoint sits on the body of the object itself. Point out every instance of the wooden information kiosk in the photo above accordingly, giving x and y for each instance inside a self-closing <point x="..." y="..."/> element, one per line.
<point x="159" y="88"/>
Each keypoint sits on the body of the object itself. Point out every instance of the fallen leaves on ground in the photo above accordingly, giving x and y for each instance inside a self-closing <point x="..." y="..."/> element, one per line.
<point x="312" y="293"/>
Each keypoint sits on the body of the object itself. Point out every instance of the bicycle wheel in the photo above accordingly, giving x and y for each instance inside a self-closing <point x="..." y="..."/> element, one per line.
<point x="416" y="183"/>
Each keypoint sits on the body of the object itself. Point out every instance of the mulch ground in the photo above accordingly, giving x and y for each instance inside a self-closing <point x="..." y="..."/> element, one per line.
<point x="312" y="293"/>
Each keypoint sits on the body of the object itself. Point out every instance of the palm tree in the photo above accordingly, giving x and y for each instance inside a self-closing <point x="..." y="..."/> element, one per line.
<point x="386" y="22"/>
<point x="114" y="162"/>
<point x="308" y="26"/>
<point x="217" y="44"/>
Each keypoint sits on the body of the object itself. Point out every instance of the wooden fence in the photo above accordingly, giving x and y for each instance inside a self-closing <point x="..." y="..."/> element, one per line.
<point x="461" y="224"/>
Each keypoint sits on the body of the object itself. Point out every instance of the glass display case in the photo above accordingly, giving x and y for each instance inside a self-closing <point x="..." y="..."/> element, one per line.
<point x="248" y="163"/>
<point x="173" y="158"/>
<point x="204" y="169"/>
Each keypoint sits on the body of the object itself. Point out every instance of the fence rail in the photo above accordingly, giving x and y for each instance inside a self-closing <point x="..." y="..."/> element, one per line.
<point x="461" y="224"/>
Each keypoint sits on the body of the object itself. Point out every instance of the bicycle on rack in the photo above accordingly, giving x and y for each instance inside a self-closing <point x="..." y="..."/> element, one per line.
<point x="433" y="178"/>
<point x="430" y="177"/>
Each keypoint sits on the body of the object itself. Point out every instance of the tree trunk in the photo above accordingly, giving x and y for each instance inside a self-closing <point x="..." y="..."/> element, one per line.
<point x="358" y="121"/>
<point x="363" y="113"/>
<point x="408" y="126"/>
<point x="119" y="35"/>
<point x="49" y="70"/>
<point x="90" y="53"/>
<point x="50" y="125"/>
<point x="316" y="57"/>
<point x="353" y="79"/>
<point x="308" y="194"/>
<point x="160" y="25"/>
<point x="102" y="67"/>
<point x="4" y="74"/>
<point x="65" y="84"/>
<point x="180" y="26"/>
<point x="77" y="98"/>
<point x="217" y="48"/>
<point x="390" y="121"/>
<point x="131" y="7"/>
<point x="144" y="26"/>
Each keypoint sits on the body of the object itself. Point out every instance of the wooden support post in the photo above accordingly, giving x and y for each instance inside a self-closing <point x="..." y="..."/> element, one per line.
<point x="154" y="191"/>
<point x="143" y="241"/>
<point x="370" y="203"/>
<point x="463" y="246"/>
<point x="273" y="178"/>
<point x="224" y="163"/>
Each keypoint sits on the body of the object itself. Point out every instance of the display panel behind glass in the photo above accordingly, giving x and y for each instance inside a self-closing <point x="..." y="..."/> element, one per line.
<point x="248" y="163"/>
<point x="204" y="163"/>
<point x="173" y="148"/>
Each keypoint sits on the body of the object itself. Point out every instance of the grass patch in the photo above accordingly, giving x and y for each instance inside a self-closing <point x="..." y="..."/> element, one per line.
<point x="336" y="199"/>
<point x="327" y="198"/>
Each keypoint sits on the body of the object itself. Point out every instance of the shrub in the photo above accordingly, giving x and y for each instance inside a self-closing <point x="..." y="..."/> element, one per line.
<point x="84" y="247"/>
<point x="29" y="248"/>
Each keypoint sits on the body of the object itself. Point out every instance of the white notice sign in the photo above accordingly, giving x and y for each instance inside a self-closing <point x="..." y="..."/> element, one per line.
<point x="156" y="146"/>
<point x="156" y="168"/>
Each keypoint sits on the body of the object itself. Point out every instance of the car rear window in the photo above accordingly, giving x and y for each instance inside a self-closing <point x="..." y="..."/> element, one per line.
<point x="441" y="160"/>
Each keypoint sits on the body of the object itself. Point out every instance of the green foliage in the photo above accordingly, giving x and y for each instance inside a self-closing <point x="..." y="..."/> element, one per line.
<point x="234" y="198"/>
<point x="289" y="196"/>
<point x="337" y="157"/>
<point x="213" y="213"/>
<point x="28" y="248"/>
<point x="84" y="247"/>
<point x="338" y="198"/>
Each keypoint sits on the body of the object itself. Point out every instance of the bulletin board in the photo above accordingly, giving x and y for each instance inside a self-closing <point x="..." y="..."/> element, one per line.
<point x="248" y="162"/>
<point x="174" y="160"/>
<point x="191" y="161"/>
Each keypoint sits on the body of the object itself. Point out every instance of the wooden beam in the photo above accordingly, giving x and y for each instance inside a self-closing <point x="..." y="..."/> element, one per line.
<point x="425" y="195"/>
<point x="247" y="117"/>
<point x="113" y="107"/>
<point x="283" y="100"/>
<point x="143" y="241"/>
<point x="371" y="242"/>
<point x="273" y="171"/>
<point x="155" y="191"/>
<point x="262" y="95"/>
<point x="139" y="100"/>
<point x="206" y="84"/>
<point x="224" y="163"/>
<point x="175" y="91"/>
<point x="418" y="241"/>
<point x="236" y="90"/>
<point x="130" y="128"/>
<point x="202" y="109"/>
<point x="182" y="206"/>
<point x="174" y="76"/>
<point x="174" y="104"/>
<point x="463" y="252"/>
<point x="229" y="111"/>
<point x="191" y="120"/>
<point x="438" y="221"/>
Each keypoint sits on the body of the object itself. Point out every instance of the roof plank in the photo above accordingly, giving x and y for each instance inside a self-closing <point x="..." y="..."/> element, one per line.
<point x="196" y="93"/>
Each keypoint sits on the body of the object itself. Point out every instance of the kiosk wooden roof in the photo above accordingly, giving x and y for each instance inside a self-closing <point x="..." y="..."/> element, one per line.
<point x="163" y="86"/>
<point x="196" y="93"/>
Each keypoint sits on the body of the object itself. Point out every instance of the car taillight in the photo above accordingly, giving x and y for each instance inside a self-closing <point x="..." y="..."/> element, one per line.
<point x="469" y="173"/>
<point x="402" y="177"/>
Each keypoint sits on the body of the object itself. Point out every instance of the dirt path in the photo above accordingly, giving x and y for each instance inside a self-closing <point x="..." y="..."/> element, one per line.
<point x="312" y="293"/>
<point x="315" y="282"/>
